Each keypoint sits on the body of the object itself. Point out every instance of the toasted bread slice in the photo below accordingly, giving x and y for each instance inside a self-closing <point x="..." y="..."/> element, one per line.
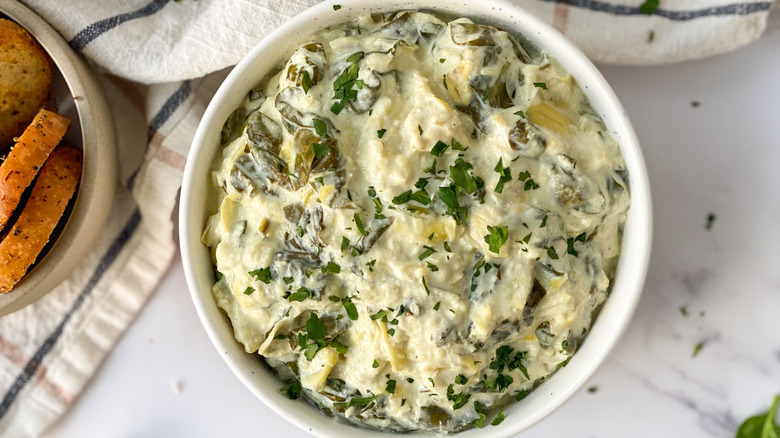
<point x="25" y="79"/>
<point x="26" y="159"/>
<point x="31" y="232"/>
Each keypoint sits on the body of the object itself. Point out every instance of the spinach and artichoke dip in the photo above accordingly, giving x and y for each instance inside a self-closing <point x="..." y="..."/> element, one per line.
<point x="418" y="219"/>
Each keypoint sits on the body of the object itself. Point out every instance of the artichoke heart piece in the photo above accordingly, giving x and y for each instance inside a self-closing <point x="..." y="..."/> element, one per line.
<point x="548" y="117"/>
<point x="310" y="59"/>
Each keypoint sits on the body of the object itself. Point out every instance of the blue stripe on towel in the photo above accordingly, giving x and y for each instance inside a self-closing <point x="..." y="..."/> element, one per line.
<point x="609" y="8"/>
<point x="35" y="362"/>
<point x="94" y="30"/>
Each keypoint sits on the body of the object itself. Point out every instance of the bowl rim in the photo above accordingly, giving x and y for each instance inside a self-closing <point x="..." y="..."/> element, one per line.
<point x="95" y="193"/>
<point x="636" y="238"/>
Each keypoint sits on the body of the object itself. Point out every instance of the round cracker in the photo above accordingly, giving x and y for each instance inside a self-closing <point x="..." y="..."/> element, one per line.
<point x="25" y="79"/>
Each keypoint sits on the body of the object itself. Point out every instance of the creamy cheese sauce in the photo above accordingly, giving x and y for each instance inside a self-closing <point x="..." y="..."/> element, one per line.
<point x="418" y="219"/>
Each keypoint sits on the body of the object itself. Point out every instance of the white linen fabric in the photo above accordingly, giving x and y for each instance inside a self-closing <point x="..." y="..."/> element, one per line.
<point x="162" y="61"/>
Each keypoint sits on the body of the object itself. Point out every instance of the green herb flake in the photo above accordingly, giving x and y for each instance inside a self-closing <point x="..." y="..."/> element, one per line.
<point x="441" y="60"/>
<point x="504" y="176"/>
<point x="301" y="294"/>
<point x="249" y="290"/>
<point x="650" y="36"/>
<point x="403" y="198"/>
<point x="287" y="280"/>
<point x="520" y="113"/>
<point x="570" y="244"/>
<point x="344" y="244"/>
<point x="419" y="128"/>
<point x="336" y="7"/>
<point x="390" y="386"/>
<point x="314" y="327"/>
<point x="425" y="285"/>
<point x="375" y="364"/>
<point x="320" y="149"/>
<point x="479" y="410"/>
<point x="338" y="346"/>
<point x="432" y="267"/>
<point x="427" y="253"/>
<point x="544" y="222"/>
<point x="306" y="82"/>
<point x="430" y="379"/>
<point x="447" y="247"/>
<point x="710" y="221"/>
<point x="421" y="196"/>
<point x="432" y="168"/>
<point x="649" y="6"/>
<point x="551" y="252"/>
<point x="541" y="85"/>
<point x="436" y="306"/>
<point x="321" y="128"/>
<point x="496" y="237"/>
<point x="461" y="177"/>
<point x="410" y="380"/>
<point x="458" y="400"/>
<point x="382" y="314"/>
<point x="331" y="268"/>
<point x="684" y="311"/>
<point x="391" y="331"/>
<point x="697" y="349"/>
<point x="456" y="146"/>
<point x="461" y="379"/>
<point x="263" y="274"/>
<point x="444" y="82"/>
<point x="499" y="418"/>
<point x="292" y="389"/>
<point x="761" y="426"/>
<point x="359" y="224"/>
<point x="381" y="133"/>
<point x="421" y="183"/>
<point x="593" y="389"/>
<point x="439" y="148"/>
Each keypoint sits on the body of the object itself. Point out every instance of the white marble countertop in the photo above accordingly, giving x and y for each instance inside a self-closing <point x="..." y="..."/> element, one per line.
<point x="710" y="131"/>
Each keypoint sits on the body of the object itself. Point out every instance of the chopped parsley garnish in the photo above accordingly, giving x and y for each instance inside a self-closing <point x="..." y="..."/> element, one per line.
<point x="321" y="128"/>
<point x="649" y="6"/>
<point x="427" y="253"/>
<point x="439" y="148"/>
<point x="520" y="113"/>
<point x="570" y="244"/>
<point x="314" y="327"/>
<point x="382" y="314"/>
<point x="497" y="237"/>
<point x="287" y="280"/>
<point x="350" y="308"/>
<point x="697" y="349"/>
<point x="544" y="222"/>
<point x="499" y="418"/>
<point x="263" y="274"/>
<point x="390" y="386"/>
<point x="249" y="290"/>
<point x="371" y="191"/>
<point x="292" y="389"/>
<point x="306" y="82"/>
<point x="461" y="177"/>
<point x="343" y="86"/>
<point x="301" y="294"/>
<point x="504" y="358"/>
<point x="461" y="379"/>
<point x="320" y="149"/>
<point x="338" y="346"/>
<point x="334" y="298"/>
<point x="430" y="379"/>
<point x="410" y="380"/>
<point x="419" y="128"/>
<point x="425" y="285"/>
<point x="391" y="331"/>
<point x="371" y="265"/>
<point x="447" y="247"/>
<point x="421" y="183"/>
<point x="444" y="82"/>
<point x="479" y="410"/>
<point x="436" y="307"/>
<point x="551" y="252"/>
<point x="527" y="238"/>
<point x="456" y="146"/>
<point x="593" y="389"/>
<point x="359" y="224"/>
<point x="421" y="196"/>
<point x="336" y="7"/>
<point x="381" y="133"/>
<point x="441" y="60"/>
<point x="331" y="268"/>
<point x="432" y="267"/>
<point x="356" y="401"/>
<point x="299" y="231"/>
<point x="344" y="244"/>
<point x="458" y="400"/>
<point x="530" y="184"/>
<point x="375" y="364"/>
<point x="504" y="176"/>
<point x="541" y="85"/>
<point x="449" y="197"/>
<point x="432" y="168"/>
<point x="403" y="198"/>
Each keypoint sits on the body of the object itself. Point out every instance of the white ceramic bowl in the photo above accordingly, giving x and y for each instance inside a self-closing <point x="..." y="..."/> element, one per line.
<point x="79" y="97"/>
<point x="197" y="203"/>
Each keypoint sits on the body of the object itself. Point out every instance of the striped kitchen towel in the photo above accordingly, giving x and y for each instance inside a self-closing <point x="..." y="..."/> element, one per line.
<point x="49" y="350"/>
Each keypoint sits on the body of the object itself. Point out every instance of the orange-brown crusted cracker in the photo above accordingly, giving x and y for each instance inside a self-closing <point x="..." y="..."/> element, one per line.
<point x="26" y="158"/>
<point x="30" y="233"/>
<point x="25" y="79"/>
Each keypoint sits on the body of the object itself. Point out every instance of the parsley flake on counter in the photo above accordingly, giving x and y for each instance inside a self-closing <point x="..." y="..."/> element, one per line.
<point x="697" y="349"/>
<point x="710" y="221"/>
<point x="263" y="274"/>
<point x="496" y="237"/>
<point x="649" y="6"/>
<point x="593" y="389"/>
<point x="381" y="133"/>
<point x="249" y="290"/>
<point x="541" y="85"/>
<point x="684" y="311"/>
